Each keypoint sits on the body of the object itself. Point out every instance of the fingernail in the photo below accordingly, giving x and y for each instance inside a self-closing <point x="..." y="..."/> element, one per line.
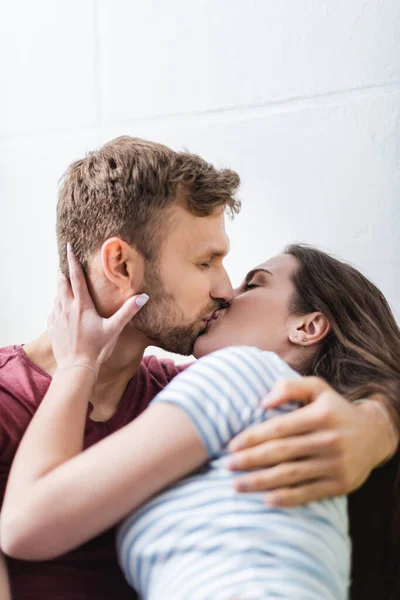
<point x="241" y="485"/>
<point x="235" y="445"/>
<point x="141" y="301"/>
<point x="69" y="249"/>
<point x="233" y="464"/>
<point x="271" y="500"/>
<point x="273" y="395"/>
<point x="269" y="399"/>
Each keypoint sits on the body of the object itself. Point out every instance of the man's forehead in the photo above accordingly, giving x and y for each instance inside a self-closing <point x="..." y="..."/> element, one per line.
<point x="215" y="249"/>
<point x="202" y="236"/>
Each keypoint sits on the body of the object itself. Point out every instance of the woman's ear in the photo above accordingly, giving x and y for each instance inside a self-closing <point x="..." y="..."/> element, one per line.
<point x="122" y="264"/>
<point x="309" y="329"/>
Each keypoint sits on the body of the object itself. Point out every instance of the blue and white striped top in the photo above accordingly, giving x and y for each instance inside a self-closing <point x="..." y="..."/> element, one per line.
<point x="200" y="539"/>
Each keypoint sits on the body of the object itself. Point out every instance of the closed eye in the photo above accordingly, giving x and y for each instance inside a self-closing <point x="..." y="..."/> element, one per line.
<point x="250" y="286"/>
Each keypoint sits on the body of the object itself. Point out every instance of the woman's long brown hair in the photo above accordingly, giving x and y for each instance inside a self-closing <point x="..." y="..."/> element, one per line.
<point x="359" y="357"/>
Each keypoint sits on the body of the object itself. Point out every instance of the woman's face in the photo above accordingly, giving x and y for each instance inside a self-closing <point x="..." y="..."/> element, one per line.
<point x="259" y="313"/>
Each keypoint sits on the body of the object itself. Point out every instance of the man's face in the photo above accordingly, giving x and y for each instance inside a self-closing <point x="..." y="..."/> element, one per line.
<point x="187" y="283"/>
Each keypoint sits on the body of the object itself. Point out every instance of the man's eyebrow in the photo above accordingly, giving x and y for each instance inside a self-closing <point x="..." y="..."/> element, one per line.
<point x="251" y="274"/>
<point x="215" y="252"/>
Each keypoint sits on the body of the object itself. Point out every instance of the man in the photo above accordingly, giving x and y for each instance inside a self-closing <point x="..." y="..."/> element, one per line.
<point x="141" y="219"/>
<point x="4" y="582"/>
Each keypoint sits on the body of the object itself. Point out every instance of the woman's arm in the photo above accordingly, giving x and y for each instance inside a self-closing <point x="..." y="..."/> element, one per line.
<point x="51" y="509"/>
<point x="58" y="497"/>
<point x="354" y="438"/>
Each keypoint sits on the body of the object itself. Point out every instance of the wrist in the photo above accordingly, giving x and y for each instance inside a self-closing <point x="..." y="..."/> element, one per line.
<point x="386" y="433"/>
<point x="83" y="372"/>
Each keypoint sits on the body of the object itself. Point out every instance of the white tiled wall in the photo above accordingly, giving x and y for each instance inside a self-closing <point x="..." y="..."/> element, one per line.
<point x="48" y="65"/>
<point x="301" y="97"/>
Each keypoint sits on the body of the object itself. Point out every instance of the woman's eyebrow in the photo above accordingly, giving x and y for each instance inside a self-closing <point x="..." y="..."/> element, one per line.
<point x="251" y="274"/>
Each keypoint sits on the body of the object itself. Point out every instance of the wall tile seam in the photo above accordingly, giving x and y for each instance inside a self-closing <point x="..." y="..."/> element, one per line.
<point x="98" y="79"/>
<point x="234" y="113"/>
<point x="293" y="104"/>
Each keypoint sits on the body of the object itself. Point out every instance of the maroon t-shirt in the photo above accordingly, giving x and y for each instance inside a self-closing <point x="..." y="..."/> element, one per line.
<point x="91" y="571"/>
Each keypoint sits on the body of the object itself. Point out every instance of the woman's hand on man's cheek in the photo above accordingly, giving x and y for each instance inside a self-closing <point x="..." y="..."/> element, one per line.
<point x="328" y="447"/>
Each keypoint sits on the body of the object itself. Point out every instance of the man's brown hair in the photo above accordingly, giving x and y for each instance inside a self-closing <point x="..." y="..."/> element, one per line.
<point x="122" y="189"/>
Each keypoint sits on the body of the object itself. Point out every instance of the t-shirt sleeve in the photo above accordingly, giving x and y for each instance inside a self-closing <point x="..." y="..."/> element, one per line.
<point x="221" y="392"/>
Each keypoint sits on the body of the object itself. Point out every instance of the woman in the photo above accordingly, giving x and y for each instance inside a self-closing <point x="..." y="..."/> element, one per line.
<point x="321" y="317"/>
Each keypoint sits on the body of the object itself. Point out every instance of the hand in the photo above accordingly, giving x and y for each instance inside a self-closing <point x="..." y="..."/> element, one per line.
<point x="79" y="335"/>
<point x="327" y="447"/>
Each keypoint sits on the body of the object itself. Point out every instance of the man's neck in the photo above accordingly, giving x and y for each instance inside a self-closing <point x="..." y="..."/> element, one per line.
<point x="112" y="379"/>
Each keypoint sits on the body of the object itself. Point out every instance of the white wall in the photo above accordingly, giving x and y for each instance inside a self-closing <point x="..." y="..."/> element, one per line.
<point x="301" y="97"/>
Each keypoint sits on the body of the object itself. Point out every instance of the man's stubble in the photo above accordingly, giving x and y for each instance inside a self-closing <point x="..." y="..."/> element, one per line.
<point x="161" y="319"/>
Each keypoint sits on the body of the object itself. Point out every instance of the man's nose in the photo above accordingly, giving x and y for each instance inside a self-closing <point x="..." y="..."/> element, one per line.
<point x="222" y="290"/>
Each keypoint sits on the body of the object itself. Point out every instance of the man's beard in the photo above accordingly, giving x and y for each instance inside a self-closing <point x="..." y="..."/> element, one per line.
<point x="159" y="319"/>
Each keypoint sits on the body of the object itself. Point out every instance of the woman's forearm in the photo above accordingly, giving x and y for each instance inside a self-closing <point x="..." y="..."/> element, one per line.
<point x="384" y="423"/>
<point x="58" y="496"/>
<point x="68" y="502"/>
<point x="54" y="435"/>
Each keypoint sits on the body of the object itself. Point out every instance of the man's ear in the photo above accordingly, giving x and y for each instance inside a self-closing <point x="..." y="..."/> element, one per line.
<point x="122" y="264"/>
<point x="309" y="329"/>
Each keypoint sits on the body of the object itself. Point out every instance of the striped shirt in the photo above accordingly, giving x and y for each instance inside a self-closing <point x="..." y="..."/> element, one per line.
<point x="202" y="540"/>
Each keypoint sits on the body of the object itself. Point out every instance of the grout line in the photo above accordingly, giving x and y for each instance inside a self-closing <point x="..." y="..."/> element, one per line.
<point x="100" y="120"/>
<point x="276" y="106"/>
<point x="97" y="75"/>
<point x="215" y="115"/>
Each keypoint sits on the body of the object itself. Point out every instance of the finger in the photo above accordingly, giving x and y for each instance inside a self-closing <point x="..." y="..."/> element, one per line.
<point x="304" y="390"/>
<point x="277" y="451"/>
<point x="127" y="311"/>
<point x="78" y="282"/>
<point x="50" y="320"/>
<point x="309" y="492"/>
<point x="64" y="291"/>
<point x="284" y="475"/>
<point x="302" y="420"/>
<point x="57" y="309"/>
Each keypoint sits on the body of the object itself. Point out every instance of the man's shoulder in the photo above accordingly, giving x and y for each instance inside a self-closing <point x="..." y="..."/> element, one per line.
<point x="163" y="370"/>
<point x="153" y="375"/>
<point x="11" y="367"/>
<point x="18" y="370"/>
<point x="8" y="353"/>
<point x="22" y="386"/>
